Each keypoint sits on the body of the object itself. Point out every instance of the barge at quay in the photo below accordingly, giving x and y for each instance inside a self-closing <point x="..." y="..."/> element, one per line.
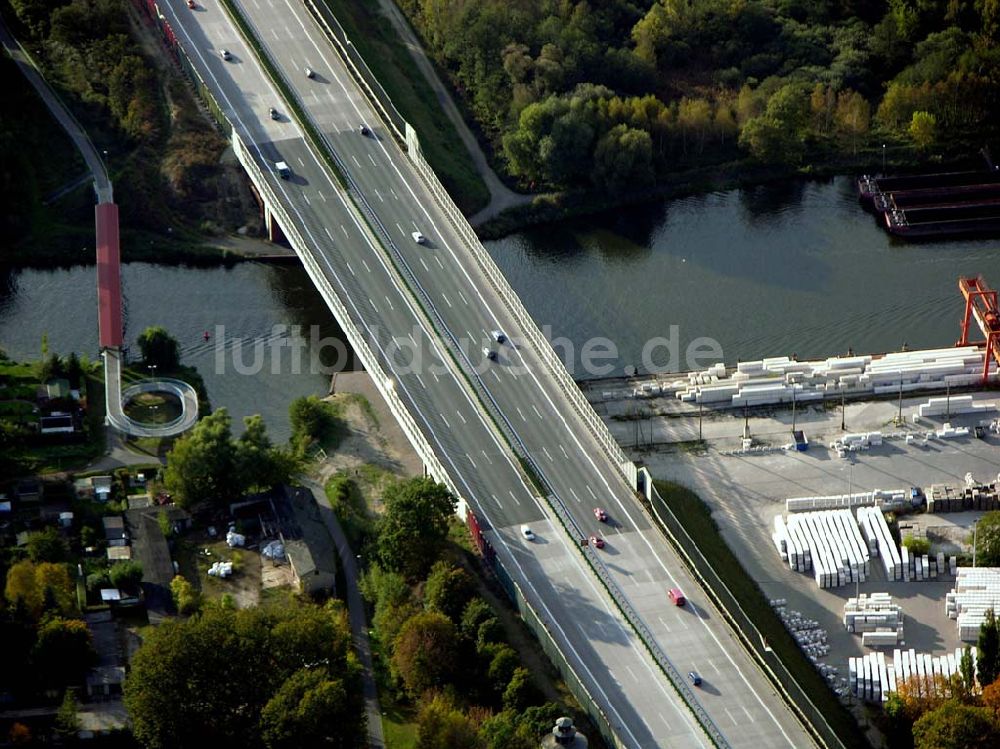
<point x="950" y="204"/>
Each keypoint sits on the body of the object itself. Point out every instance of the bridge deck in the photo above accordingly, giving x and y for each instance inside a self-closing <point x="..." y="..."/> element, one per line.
<point x="109" y="285"/>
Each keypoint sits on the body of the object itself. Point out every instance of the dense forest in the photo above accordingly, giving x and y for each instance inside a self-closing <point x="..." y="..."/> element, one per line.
<point x="618" y="94"/>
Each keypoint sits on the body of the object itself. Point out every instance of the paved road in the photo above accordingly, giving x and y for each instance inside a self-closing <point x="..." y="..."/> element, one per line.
<point x="102" y="183"/>
<point x="356" y="613"/>
<point x="597" y="643"/>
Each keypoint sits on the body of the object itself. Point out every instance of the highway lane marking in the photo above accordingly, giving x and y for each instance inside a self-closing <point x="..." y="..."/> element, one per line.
<point x="712" y="664"/>
<point x="591" y="492"/>
<point x="334" y="275"/>
<point x="649" y="574"/>
<point x="547" y="455"/>
<point x="355" y="159"/>
<point x="514" y="497"/>
<point x="344" y="229"/>
<point x="665" y="625"/>
<point x="301" y="162"/>
<point x="497" y="501"/>
<point x="752" y="719"/>
<point x="394" y="195"/>
<point x="440" y="264"/>
<point x="390" y="303"/>
<point x="420" y="380"/>
<point x="371" y="159"/>
<point x="328" y="233"/>
<point x="379" y="195"/>
<point x="321" y="195"/>
<point x="463" y="297"/>
<point x="494" y="373"/>
<point x="415" y="227"/>
<point x="425" y="265"/>
<point x="565" y="455"/>
<point x="488" y="458"/>
<point x="350" y="268"/>
<point x="436" y="378"/>
<point x="665" y="721"/>
<point x="735" y="722"/>
<point x="537" y="412"/>
<point x="306" y="198"/>
<point x="471" y="460"/>
<point x="372" y="304"/>
<point x="631" y="672"/>
<point x="520" y="412"/>
<point x="400" y="229"/>
<point x="395" y="167"/>
<point x="288" y="30"/>
<point x="444" y="420"/>
<point x="575" y="495"/>
<point x="275" y="35"/>
<point x="366" y="265"/>
<point x="461" y="417"/>
<point x="446" y="298"/>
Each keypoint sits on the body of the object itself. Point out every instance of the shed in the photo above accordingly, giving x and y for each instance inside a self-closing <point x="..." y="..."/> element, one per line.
<point x="114" y="530"/>
<point x="57" y="423"/>
<point x="118" y="553"/>
<point x="57" y="388"/>
<point x="102" y="487"/>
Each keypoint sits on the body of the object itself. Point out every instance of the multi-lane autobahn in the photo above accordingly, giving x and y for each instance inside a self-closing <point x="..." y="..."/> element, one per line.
<point x="641" y="704"/>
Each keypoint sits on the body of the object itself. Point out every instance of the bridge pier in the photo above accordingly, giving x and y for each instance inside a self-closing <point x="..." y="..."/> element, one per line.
<point x="274" y="233"/>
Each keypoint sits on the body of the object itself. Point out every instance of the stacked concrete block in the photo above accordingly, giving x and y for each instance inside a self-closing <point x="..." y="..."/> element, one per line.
<point x="977" y="589"/>
<point x="828" y="542"/>
<point x="876" y="618"/>
<point x="874" y="529"/>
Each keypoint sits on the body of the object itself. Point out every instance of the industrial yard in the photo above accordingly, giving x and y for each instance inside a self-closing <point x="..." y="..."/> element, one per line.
<point x="815" y="471"/>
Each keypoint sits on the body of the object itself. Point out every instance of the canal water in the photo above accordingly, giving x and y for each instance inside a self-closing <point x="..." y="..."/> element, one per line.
<point x="770" y="271"/>
<point x="242" y="308"/>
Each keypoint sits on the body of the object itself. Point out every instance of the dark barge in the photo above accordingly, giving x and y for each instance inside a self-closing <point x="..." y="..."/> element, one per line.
<point x="950" y="204"/>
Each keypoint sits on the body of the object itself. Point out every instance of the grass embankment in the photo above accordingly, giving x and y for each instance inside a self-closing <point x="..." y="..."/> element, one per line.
<point x="698" y="522"/>
<point x="373" y="36"/>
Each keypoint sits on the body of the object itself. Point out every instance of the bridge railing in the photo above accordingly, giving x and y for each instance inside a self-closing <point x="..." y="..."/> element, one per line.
<point x="365" y="352"/>
<point x="752" y="638"/>
<point x="405" y="132"/>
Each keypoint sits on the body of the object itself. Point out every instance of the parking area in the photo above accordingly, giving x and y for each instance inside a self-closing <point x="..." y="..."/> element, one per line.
<point x="745" y="493"/>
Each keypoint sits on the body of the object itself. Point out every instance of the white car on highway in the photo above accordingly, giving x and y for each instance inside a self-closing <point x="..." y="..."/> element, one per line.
<point x="529" y="535"/>
<point x="418" y="237"/>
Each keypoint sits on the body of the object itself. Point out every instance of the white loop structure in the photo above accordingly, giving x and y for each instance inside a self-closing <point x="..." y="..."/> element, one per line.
<point x="118" y="399"/>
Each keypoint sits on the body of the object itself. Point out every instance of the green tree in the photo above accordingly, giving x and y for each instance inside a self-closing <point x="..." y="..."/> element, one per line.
<point x="126" y="574"/>
<point x="448" y="589"/>
<point x="414" y="527"/>
<point x="987" y="539"/>
<point x="476" y="612"/>
<point x="967" y="670"/>
<point x="159" y="348"/>
<point x="441" y="725"/>
<point x="393" y="601"/>
<point x="915" y="545"/>
<point x="63" y="652"/>
<point x="311" y="419"/>
<point x="425" y="654"/>
<point x="988" y="650"/>
<point x="186" y="598"/>
<point x="259" y="464"/>
<point x="74" y="370"/>
<point x="923" y="130"/>
<point x="521" y="692"/>
<point x="67" y="723"/>
<point x="624" y="159"/>
<point x="39" y="587"/>
<point x="956" y="726"/>
<point x="501" y="667"/>
<point x="200" y="465"/>
<point x="47" y="546"/>
<point x="174" y="691"/>
<point x="768" y="141"/>
<point x="314" y="709"/>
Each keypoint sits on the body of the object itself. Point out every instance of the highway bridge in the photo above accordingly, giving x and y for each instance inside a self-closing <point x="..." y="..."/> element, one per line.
<point x="513" y="438"/>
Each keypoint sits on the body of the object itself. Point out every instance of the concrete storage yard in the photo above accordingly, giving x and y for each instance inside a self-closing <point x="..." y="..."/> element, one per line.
<point x="746" y="492"/>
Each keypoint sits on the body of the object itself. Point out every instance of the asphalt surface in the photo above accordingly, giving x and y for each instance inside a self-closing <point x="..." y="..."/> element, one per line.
<point x="596" y="642"/>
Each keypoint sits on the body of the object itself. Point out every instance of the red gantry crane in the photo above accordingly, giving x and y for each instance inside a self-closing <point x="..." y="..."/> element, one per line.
<point x="981" y="303"/>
